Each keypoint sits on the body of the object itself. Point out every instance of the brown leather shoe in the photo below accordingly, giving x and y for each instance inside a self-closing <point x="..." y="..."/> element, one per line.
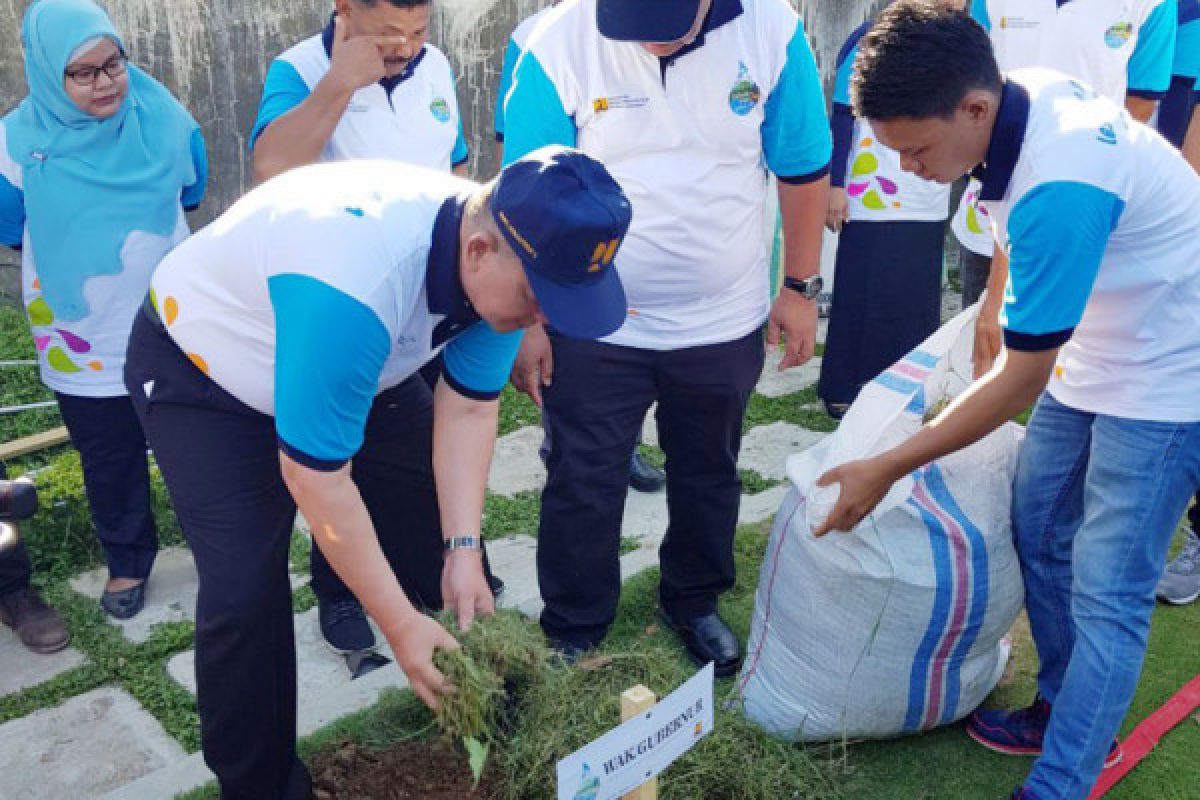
<point x="39" y="627"/>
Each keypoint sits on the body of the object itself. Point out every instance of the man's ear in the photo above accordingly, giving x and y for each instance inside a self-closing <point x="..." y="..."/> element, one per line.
<point x="480" y="244"/>
<point x="977" y="104"/>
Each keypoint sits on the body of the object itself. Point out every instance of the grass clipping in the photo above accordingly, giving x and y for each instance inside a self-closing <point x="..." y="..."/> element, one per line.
<point x="516" y="703"/>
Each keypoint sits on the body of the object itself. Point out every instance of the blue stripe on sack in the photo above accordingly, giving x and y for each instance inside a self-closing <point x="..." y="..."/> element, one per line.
<point x="918" y="681"/>
<point x="894" y="382"/>
<point x="917" y="405"/>
<point x="922" y="358"/>
<point x="979" y="587"/>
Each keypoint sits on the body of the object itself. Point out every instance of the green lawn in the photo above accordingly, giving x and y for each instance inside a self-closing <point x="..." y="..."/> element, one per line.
<point x="941" y="764"/>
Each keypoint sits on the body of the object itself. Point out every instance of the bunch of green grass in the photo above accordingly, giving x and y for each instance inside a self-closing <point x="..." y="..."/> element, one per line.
<point x="501" y="656"/>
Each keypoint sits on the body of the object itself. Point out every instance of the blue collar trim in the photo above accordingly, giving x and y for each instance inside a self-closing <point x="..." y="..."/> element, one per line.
<point x="1008" y="136"/>
<point x="389" y="84"/>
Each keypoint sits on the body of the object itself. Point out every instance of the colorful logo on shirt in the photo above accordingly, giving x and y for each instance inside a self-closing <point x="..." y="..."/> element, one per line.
<point x="601" y="104"/>
<point x="58" y="345"/>
<point x="745" y="94"/>
<point x="440" y="109"/>
<point x="1108" y="135"/>
<point x="1118" y="35"/>
<point x="1082" y="92"/>
<point x="864" y="172"/>
<point x="977" y="222"/>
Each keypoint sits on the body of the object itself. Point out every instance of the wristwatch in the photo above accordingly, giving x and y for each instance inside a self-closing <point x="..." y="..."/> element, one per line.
<point x="809" y="288"/>
<point x="463" y="543"/>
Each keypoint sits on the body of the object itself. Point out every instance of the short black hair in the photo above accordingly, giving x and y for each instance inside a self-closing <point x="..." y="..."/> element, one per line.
<point x="919" y="60"/>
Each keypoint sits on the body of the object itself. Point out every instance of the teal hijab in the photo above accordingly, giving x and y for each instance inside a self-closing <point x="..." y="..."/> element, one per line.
<point x="89" y="182"/>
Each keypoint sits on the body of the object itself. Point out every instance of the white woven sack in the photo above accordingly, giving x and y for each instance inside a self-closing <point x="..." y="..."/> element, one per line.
<point x="898" y="626"/>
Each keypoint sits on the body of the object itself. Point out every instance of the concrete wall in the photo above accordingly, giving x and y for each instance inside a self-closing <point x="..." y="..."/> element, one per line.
<point x="214" y="53"/>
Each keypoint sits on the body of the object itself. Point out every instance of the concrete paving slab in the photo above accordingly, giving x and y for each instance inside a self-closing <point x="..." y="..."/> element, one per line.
<point x="758" y="507"/>
<point x="766" y="448"/>
<point x="171" y="596"/>
<point x="514" y="559"/>
<point x="515" y="463"/>
<point x="21" y="669"/>
<point x="774" y="383"/>
<point x="163" y="784"/>
<point x="319" y="670"/>
<point x="88" y="746"/>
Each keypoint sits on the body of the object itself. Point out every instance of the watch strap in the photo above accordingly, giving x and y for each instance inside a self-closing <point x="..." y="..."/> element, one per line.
<point x="463" y="543"/>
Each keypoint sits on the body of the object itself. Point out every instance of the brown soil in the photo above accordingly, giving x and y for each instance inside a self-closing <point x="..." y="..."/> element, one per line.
<point x="405" y="771"/>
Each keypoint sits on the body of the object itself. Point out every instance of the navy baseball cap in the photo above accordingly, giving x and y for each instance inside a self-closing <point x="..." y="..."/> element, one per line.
<point x="646" y="20"/>
<point x="565" y="217"/>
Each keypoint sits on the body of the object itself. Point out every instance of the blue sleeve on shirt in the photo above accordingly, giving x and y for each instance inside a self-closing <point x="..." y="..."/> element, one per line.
<point x="283" y="90"/>
<point x="461" y="153"/>
<point x="479" y="360"/>
<point x="329" y="353"/>
<point x="795" y="130"/>
<point x="12" y="214"/>
<point x="1053" y="266"/>
<point x="1187" y="49"/>
<point x="511" y="54"/>
<point x="979" y="13"/>
<point x="845" y="70"/>
<point x="193" y="195"/>
<point x="534" y="113"/>
<point x="1150" y="65"/>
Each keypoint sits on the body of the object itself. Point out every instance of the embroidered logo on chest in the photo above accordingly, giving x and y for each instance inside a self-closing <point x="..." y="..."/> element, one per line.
<point x="1118" y="35"/>
<point x="745" y="94"/>
<point x="440" y="109"/>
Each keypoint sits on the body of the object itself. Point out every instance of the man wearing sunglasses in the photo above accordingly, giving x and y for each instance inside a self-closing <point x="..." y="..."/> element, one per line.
<point x="689" y="103"/>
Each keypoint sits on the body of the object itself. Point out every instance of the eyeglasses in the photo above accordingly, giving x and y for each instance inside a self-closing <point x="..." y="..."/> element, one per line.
<point x="87" y="76"/>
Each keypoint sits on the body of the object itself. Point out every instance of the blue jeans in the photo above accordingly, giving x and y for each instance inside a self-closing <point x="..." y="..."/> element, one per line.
<point x="1096" y="500"/>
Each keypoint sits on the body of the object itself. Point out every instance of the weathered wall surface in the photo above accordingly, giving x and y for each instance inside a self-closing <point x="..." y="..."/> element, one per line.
<point x="214" y="53"/>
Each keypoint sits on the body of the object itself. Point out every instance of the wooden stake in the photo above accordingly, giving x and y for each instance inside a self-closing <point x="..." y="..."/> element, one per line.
<point x="635" y="701"/>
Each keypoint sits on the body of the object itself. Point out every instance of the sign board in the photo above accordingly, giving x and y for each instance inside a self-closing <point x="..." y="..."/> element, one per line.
<point x="633" y="753"/>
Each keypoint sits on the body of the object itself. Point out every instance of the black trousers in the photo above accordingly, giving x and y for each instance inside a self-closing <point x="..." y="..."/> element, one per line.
<point x="221" y="464"/>
<point x="887" y="299"/>
<point x="974" y="274"/>
<point x="116" y="478"/>
<point x="595" y="409"/>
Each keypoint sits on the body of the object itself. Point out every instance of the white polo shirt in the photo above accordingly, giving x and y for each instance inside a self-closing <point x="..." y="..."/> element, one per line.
<point x="1119" y="47"/>
<point x="690" y="139"/>
<point x="1100" y="217"/>
<point x="413" y="117"/>
<point x="877" y="189"/>
<point x="325" y="286"/>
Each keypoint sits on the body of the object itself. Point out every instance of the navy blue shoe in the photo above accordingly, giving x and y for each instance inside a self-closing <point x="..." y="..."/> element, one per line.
<point x="1020" y="732"/>
<point x="125" y="604"/>
<point x="344" y="625"/>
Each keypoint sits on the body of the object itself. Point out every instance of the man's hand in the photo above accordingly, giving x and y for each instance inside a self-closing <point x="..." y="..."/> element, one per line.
<point x="534" y="367"/>
<point x="414" y="642"/>
<point x="863" y="485"/>
<point x="989" y="339"/>
<point x="839" y="209"/>
<point x="796" y="318"/>
<point x="357" y="61"/>
<point x="465" y="589"/>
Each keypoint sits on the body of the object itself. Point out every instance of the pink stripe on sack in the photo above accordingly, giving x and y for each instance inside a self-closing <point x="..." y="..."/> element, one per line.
<point x="955" y="626"/>
<point x="910" y="370"/>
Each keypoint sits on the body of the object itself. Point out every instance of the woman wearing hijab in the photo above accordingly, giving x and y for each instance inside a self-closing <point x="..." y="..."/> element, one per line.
<point x="97" y="165"/>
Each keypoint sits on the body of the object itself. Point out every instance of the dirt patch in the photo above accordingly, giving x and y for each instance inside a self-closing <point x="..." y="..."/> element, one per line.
<point x="405" y="771"/>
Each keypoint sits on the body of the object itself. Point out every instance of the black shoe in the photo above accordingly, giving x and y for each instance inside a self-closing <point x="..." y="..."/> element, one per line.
<point x="644" y="476"/>
<point x="126" y="603"/>
<point x="707" y="638"/>
<point x="569" y="652"/>
<point x="344" y="625"/>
